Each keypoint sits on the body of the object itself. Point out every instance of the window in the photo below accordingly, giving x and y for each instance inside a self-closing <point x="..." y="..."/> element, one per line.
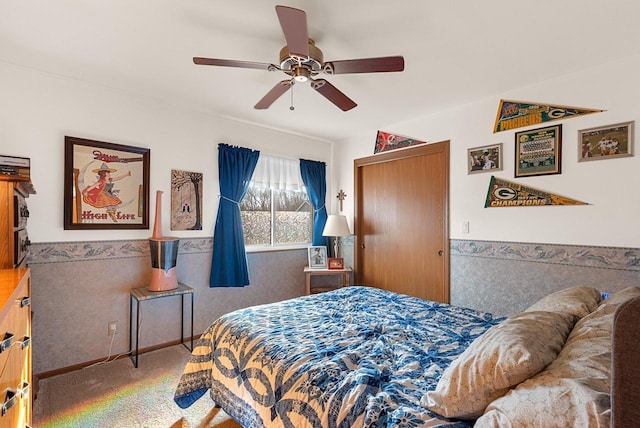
<point x="276" y="217"/>
<point x="276" y="209"/>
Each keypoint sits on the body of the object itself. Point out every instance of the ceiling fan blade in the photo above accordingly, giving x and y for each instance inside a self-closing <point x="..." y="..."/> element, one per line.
<point x="234" y="63"/>
<point x="294" y="26"/>
<point x="274" y="94"/>
<point x="365" y="65"/>
<point x="333" y="94"/>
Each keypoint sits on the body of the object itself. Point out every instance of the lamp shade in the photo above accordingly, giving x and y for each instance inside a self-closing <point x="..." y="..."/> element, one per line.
<point x="336" y="226"/>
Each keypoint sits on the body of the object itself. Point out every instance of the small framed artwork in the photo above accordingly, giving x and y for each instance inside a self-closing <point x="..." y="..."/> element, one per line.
<point x="318" y="257"/>
<point x="186" y="200"/>
<point x="336" y="263"/>
<point x="539" y="151"/>
<point x="485" y="158"/>
<point x="106" y="185"/>
<point x="605" y="142"/>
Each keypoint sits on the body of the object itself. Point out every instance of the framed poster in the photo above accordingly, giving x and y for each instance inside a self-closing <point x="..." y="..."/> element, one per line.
<point x="605" y="142"/>
<point x="317" y="257"/>
<point x="485" y="159"/>
<point x="106" y="186"/>
<point x="539" y="151"/>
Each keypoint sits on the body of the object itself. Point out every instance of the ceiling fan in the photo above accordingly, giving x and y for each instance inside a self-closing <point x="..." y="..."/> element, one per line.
<point x="302" y="60"/>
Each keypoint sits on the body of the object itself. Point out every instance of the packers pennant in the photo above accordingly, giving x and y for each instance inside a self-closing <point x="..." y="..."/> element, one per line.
<point x="517" y="114"/>
<point x="503" y="193"/>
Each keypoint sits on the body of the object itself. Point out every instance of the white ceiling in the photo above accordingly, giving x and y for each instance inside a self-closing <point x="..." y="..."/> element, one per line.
<point x="456" y="51"/>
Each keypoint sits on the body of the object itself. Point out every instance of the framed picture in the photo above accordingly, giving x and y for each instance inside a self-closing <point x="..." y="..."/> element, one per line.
<point x="336" y="263"/>
<point x="318" y="257"/>
<point x="539" y="151"/>
<point x="605" y="142"/>
<point x="106" y="186"/>
<point x="186" y="200"/>
<point x="485" y="159"/>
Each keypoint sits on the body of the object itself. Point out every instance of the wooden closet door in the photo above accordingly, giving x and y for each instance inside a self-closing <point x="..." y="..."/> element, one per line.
<point x="401" y="221"/>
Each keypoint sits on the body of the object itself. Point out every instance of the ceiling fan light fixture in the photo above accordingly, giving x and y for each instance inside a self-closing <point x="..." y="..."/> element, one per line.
<point x="301" y="74"/>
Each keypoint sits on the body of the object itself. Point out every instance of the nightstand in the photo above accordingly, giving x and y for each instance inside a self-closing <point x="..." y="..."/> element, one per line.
<point x="345" y="275"/>
<point x="142" y="294"/>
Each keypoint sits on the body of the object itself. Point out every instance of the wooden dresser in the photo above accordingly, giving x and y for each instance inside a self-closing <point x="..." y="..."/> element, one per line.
<point x="15" y="348"/>
<point x="14" y="240"/>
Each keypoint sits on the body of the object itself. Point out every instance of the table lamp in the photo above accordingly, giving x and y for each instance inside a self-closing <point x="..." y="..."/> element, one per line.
<point x="336" y="226"/>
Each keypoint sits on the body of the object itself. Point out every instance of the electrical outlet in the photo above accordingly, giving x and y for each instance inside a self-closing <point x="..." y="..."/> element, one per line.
<point x="113" y="328"/>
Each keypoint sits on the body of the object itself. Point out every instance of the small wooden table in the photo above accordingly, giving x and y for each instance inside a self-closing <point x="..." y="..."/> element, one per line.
<point x="345" y="274"/>
<point x="143" y="293"/>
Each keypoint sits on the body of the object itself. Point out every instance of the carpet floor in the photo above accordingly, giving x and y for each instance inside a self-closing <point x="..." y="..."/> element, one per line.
<point x="116" y="394"/>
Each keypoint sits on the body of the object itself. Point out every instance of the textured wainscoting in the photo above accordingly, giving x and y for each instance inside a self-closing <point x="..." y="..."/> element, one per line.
<point x="79" y="287"/>
<point x="507" y="277"/>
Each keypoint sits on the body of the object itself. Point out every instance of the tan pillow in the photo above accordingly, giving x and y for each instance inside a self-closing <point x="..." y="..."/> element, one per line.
<point x="501" y="358"/>
<point x="621" y="296"/>
<point x="577" y="301"/>
<point x="572" y="391"/>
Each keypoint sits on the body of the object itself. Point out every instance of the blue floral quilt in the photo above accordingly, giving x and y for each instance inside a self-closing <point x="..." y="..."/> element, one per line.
<point x="353" y="357"/>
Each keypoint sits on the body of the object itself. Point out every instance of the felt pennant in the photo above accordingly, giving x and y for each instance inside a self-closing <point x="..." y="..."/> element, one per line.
<point x="386" y="141"/>
<point x="503" y="193"/>
<point x="518" y="114"/>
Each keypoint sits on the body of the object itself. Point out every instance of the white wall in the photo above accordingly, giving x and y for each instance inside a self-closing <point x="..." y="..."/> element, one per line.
<point x="38" y="110"/>
<point x="611" y="187"/>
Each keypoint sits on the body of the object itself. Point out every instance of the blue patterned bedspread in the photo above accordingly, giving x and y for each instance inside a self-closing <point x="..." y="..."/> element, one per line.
<point x="353" y="357"/>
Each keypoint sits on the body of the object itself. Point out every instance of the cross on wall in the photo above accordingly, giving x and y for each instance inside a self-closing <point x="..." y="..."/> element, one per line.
<point x="341" y="196"/>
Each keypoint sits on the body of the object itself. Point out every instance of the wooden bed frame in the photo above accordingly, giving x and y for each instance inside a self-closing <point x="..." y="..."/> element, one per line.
<point x="625" y="365"/>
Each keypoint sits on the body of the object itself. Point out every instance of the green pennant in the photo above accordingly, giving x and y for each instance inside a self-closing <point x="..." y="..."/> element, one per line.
<point x="518" y="114"/>
<point x="503" y="193"/>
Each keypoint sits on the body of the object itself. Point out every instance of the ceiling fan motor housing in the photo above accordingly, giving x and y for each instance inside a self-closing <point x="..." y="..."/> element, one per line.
<point x="313" y="62"/>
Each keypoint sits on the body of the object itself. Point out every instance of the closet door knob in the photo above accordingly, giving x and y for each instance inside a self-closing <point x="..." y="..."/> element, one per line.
<point x="441" y="253"/>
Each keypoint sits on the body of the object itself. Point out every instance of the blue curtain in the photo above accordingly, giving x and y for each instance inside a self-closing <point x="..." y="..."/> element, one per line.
<point x="314" y="176"/>
<point x="229" y="261"/>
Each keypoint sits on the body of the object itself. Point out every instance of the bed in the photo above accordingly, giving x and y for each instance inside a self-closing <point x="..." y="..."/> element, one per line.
<point x="364" y="357"/>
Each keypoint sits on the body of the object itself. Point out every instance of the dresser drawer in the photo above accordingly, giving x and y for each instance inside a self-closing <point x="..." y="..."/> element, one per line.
<point x="15" y="358"/>
<point x="15" y="331"/>
<point x="15" y="388"/>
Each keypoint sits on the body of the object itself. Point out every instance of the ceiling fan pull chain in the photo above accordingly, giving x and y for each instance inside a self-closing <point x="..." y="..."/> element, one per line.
<point x="292" y="108"/>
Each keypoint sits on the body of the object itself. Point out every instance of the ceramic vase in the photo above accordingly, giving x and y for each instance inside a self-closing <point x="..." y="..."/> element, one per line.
<point x="164" y="254"/>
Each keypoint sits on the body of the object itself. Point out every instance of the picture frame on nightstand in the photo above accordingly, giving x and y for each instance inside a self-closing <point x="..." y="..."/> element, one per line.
<point x="336" y="263"/>
<point x="317" y="257"/>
